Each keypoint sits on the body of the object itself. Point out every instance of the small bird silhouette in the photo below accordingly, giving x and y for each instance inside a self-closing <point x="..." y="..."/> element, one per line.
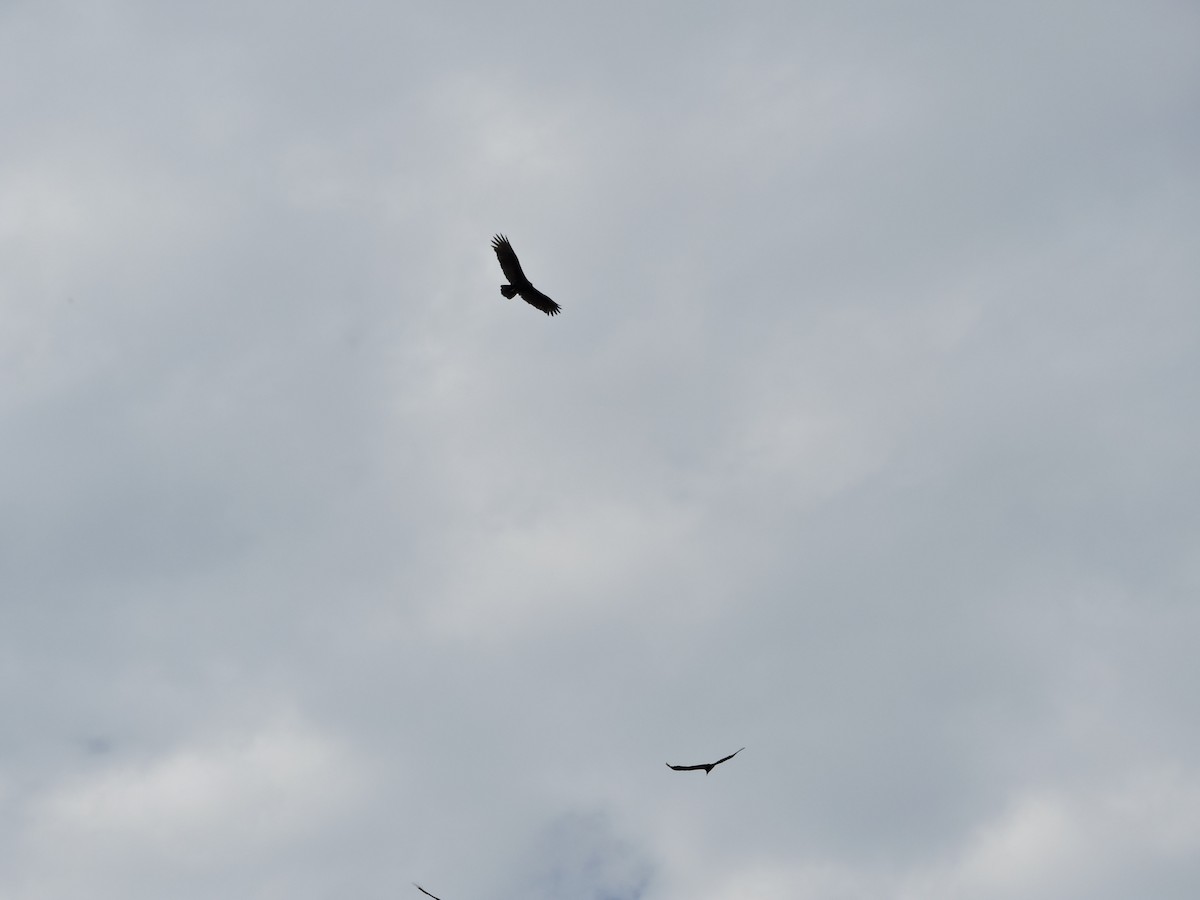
<point x="423" y="891"/>
<point x="518" y="283"/>
<point x="707" y="767"/>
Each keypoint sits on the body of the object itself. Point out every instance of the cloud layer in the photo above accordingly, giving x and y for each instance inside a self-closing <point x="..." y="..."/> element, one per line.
<point x="865" y="440"/>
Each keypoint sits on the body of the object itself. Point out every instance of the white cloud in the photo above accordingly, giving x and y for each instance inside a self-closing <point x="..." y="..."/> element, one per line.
<point x="200" y="805"/>
<point x="1098" y="841"/>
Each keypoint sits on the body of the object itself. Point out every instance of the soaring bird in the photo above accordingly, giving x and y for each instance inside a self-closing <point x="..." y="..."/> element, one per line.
<point x="518" y="283"/>
<point x="423" y="891"/>
<point x="707" y="767"/>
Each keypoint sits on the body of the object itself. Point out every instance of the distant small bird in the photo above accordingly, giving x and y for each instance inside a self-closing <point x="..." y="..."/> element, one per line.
<point x="518" y="283"/>
<point x="423" y="891"/>
<point x="707" y="767"/>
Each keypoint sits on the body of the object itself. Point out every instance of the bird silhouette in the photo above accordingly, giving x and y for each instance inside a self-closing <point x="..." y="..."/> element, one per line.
<point x="707" y="767"/>
<point x="518" y="283"/>
<point x="423" y="891"/>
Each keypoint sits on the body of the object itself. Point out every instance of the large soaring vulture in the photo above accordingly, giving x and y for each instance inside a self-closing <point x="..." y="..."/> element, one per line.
<point x="707" y="767"/>
<point x="518" y="283"/>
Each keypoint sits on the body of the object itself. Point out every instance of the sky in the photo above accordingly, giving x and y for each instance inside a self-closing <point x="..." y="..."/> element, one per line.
<point x="867" y="440"/>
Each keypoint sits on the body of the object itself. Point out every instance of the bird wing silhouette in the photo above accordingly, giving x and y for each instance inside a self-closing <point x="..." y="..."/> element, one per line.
<point x="729" y="757"/>
<point x="509" y="264"/>
<point x="423" y="891"/>
<point x="538" y="300"/>
<point x="686" y="768"/>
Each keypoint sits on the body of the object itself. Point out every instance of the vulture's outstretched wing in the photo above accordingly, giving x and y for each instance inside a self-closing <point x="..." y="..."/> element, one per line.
<point x="425" y="892"/>
<point x="518" y="283"/>
<point x="729" y="757"/>
<point x="538" y="300"/>
<point x="509" y="264"/>
<point x="686" y="768"/>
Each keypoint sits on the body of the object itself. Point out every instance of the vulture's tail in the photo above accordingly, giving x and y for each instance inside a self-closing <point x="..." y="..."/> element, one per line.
<point x="508" y="291"/>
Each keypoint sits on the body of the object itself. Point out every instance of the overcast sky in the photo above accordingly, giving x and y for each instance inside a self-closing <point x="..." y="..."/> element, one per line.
<point x="868" y="439"/>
